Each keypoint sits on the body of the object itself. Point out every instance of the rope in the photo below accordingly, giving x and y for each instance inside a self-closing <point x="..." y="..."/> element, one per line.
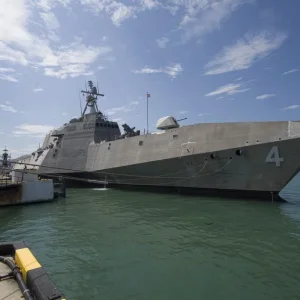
<point x="181" y="180"/>
<point x="107" y="173"/>
<point x="138" y="177"/>
<point x="59" y="176"/>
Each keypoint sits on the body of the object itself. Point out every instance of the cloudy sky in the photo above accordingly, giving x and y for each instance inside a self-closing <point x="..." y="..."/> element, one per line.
<point x="207" y="60"/>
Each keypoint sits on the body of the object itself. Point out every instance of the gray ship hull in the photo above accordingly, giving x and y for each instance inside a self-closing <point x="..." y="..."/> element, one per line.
<point x="253" y="160"/>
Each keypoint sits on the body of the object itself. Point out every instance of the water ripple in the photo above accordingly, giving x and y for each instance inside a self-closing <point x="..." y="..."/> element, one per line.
<point x="130" y="245"/>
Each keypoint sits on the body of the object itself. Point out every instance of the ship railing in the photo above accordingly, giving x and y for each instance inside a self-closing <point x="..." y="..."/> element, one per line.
<point x="7" y="180"/>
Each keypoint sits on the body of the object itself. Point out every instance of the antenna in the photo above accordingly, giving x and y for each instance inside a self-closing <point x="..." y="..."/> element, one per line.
<point x="91" y="98"/>
<point x="80" y="104"/>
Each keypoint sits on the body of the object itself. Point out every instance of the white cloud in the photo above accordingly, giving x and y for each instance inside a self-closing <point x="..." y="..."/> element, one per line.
<point x="117" y="11"/>
<point x="149" y="4"/>
<point x="126" y="108"/>
<point x="239" y="79"/>
<point x="36" y="90"/>
<point x="162" y="43"/>
<point x="243" y="54"/>
<point x="265" y="96"/>
<point x="5" y="70"/>
<point x="32" y="130"/>
<point x="228" y="89"/>
<point x="50" y="20"/>
<point x="8" y="108"/>
<point x="65" y="114"/>
<point x="11" y="55"/>
<point x="291" y="107"/>
<point x="7" y="77"/>
<point x="183" y="112"/>
<point x="18" y="45"/>
<point x="51" y="24"/>
<point x="290" y="71"/>
<point x="203" y="16"/>
<point x="47" y="5"/>
<point x="117" y="120"/>
<point x="121" y="12"/>
<point x="72" y="60"/>
<point x="219" y="98"/>
<point x="200" y="16"/>
<point x="204" y="114"/>
<point x="173" y="70"/>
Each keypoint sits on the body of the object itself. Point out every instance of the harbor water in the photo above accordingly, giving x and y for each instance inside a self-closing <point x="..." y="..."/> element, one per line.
<point x="110" y="244"/>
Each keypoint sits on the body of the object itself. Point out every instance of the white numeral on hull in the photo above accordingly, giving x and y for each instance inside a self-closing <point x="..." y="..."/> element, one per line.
<point x="274" y="157"/>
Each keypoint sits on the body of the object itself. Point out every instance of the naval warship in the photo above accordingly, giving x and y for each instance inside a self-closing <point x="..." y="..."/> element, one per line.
<point x="236" y="159"/>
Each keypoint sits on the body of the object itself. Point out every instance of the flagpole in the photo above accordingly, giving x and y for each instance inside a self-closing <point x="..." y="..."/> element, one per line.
<point x="147" y="114"/>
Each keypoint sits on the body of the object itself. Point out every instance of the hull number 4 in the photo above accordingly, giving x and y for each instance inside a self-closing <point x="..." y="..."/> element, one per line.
<point x="274" y="157"/>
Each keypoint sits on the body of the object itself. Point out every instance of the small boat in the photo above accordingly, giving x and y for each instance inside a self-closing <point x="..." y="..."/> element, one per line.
<point x="22" y="276"/>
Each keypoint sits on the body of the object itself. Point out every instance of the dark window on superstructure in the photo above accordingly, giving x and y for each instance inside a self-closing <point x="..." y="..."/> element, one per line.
<point x="175" y="136"/>
<point x="97" y="124"/>
<point x="141" y="143"/>
<point x="101" y="124"/>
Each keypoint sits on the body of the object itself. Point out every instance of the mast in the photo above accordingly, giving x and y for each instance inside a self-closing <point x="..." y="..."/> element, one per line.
<point x="91" y="99"/>
<point x="5" y="157"/>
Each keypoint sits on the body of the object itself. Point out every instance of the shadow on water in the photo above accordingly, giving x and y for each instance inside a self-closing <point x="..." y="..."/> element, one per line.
<point x="133" y="245"/>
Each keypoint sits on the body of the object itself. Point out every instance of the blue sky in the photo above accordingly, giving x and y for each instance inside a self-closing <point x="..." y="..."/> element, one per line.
<point x="207" y="60"/>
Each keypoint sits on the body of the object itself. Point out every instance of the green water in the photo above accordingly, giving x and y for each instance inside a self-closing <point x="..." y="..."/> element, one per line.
<point x="107" y="244"/>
